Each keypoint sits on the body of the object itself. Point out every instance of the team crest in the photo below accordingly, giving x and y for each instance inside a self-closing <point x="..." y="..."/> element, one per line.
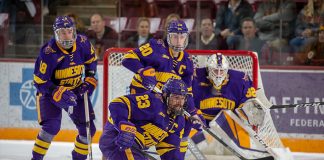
<point x="161" y="42"/>
<point x="83" y="38"/>
<point x="49" y="50"/>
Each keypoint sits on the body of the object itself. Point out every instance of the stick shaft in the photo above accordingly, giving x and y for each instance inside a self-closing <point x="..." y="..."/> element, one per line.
<point x="145" y="154"/>
<point x="313" y="104"/>
<point x="87" y="117"/>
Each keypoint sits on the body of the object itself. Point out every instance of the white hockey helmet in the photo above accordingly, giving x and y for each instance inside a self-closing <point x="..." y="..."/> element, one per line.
<point x="217" y="68"/>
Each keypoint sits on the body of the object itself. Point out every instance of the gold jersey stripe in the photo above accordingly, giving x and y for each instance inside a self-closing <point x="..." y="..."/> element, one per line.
<point x="91" y="60"/>
<point x="129" y="154"/>
<point x="132" y="55"/>
<point x="127" y="102"/>
<point x="39" y="80"/>
<point x="39" y="117"/>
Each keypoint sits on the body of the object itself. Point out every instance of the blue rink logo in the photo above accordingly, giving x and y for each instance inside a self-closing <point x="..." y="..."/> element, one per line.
<point x="24" y="94"/>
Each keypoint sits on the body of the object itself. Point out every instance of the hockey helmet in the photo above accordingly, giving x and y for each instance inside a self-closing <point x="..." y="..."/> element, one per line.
<point x="217" y="67"/>
<point x="175" y="96"/>
<point x="177" y="31"/>
<point x="64" y="23"/>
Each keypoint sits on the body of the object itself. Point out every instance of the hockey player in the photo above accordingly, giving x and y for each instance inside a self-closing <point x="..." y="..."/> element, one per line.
<point x="228" y="102"/>
<point x="157" y="61"/>
<point x="216" y="87"/>
<point x="167" y="58"/>
<point x="139" y="121"/>
<point x="58" y="79"/>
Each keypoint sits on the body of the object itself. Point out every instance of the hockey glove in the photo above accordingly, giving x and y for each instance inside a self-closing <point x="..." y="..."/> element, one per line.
<point x="148" y="77"/>
<point x="126" y="136"/>
<point x="251" y="113"/>
<point x="197" y="122"/>
<point x="89" y="85"/>
<point x="63" y="98"/>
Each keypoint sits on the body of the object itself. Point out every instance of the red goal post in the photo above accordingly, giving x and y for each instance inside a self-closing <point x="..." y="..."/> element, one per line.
<point x="117" y="78"/>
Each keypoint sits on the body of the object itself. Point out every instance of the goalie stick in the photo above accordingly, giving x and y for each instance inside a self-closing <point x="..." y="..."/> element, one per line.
<point x="87" y="117"/>
<point x="225" y="145"/>
<point x="312" y="104"/>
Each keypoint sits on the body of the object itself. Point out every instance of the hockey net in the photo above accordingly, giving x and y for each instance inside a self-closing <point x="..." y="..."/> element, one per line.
<point x="116" y="81"/>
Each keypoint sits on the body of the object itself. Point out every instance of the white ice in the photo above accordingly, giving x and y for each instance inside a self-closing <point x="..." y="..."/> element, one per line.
<point x="21" y="150"/>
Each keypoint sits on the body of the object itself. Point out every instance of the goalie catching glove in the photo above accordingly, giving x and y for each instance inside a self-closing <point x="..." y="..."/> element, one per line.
<point x="147" y="75"/>
<point x="89" y="85"/>
<point x="63" y="97"/>
<point x="251" y="113"/>
<point x="126" y="135"/>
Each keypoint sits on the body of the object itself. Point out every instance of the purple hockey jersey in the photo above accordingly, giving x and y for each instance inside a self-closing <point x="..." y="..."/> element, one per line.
<point x="154" y="126"/>
<point x="56" y="66"/>
<point x="157" y="54"/>
<point x="235" y="90"/>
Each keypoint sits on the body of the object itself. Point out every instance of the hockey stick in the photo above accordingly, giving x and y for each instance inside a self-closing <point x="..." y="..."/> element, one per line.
<point x="224" y="144"/>
<point x="312" y="104"/>
<point x="145" y="154"/>
<point x="87" y="117"/>
<point x="195" y="150"/>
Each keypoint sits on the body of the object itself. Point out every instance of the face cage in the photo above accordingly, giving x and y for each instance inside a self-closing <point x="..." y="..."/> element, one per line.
<point x="173" y="112"/>
<point x="178" y="49"/>
<point x="217" y="78"/>
<point x="66" y="44"/>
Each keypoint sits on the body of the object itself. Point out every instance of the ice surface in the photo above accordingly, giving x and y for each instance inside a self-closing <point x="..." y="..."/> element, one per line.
<point x="21" y="150"/>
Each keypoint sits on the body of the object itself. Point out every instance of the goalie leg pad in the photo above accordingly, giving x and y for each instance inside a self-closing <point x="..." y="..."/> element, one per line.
<point x="233" y="132"/>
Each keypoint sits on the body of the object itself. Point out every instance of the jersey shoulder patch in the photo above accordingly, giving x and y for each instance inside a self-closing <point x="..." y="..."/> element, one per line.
<point x="157" y="42"/>
<point x="82" y="38"/>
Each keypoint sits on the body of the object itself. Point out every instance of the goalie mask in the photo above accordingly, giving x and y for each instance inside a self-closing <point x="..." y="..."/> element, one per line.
<point x="64" y="31"/>
<point x="177" y="36"/>
<point x="217" y="67"/>
<point x="175" y="96"/>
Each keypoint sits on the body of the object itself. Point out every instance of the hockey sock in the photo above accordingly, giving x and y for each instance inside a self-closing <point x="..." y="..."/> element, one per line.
<point x="80" y="150"/>
<point x="41" y="145"/>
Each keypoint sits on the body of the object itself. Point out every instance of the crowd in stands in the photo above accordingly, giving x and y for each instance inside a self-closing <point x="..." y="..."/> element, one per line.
<point x="287" y="32"/>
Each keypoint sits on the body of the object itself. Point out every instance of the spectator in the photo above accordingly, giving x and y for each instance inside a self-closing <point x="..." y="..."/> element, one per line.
<point x="229" y="16"/>
<point x="80" y="28"/>
<point x="249" y="40"/>
<point x="268" y="17"/>
<point x="307" y="23"/>
<point x="208" y="39"/>
<point x="313" y="53"/>
<point x="100" y="35"/>
<point x="143" y="34"/>
<point x="170" y="17"/>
